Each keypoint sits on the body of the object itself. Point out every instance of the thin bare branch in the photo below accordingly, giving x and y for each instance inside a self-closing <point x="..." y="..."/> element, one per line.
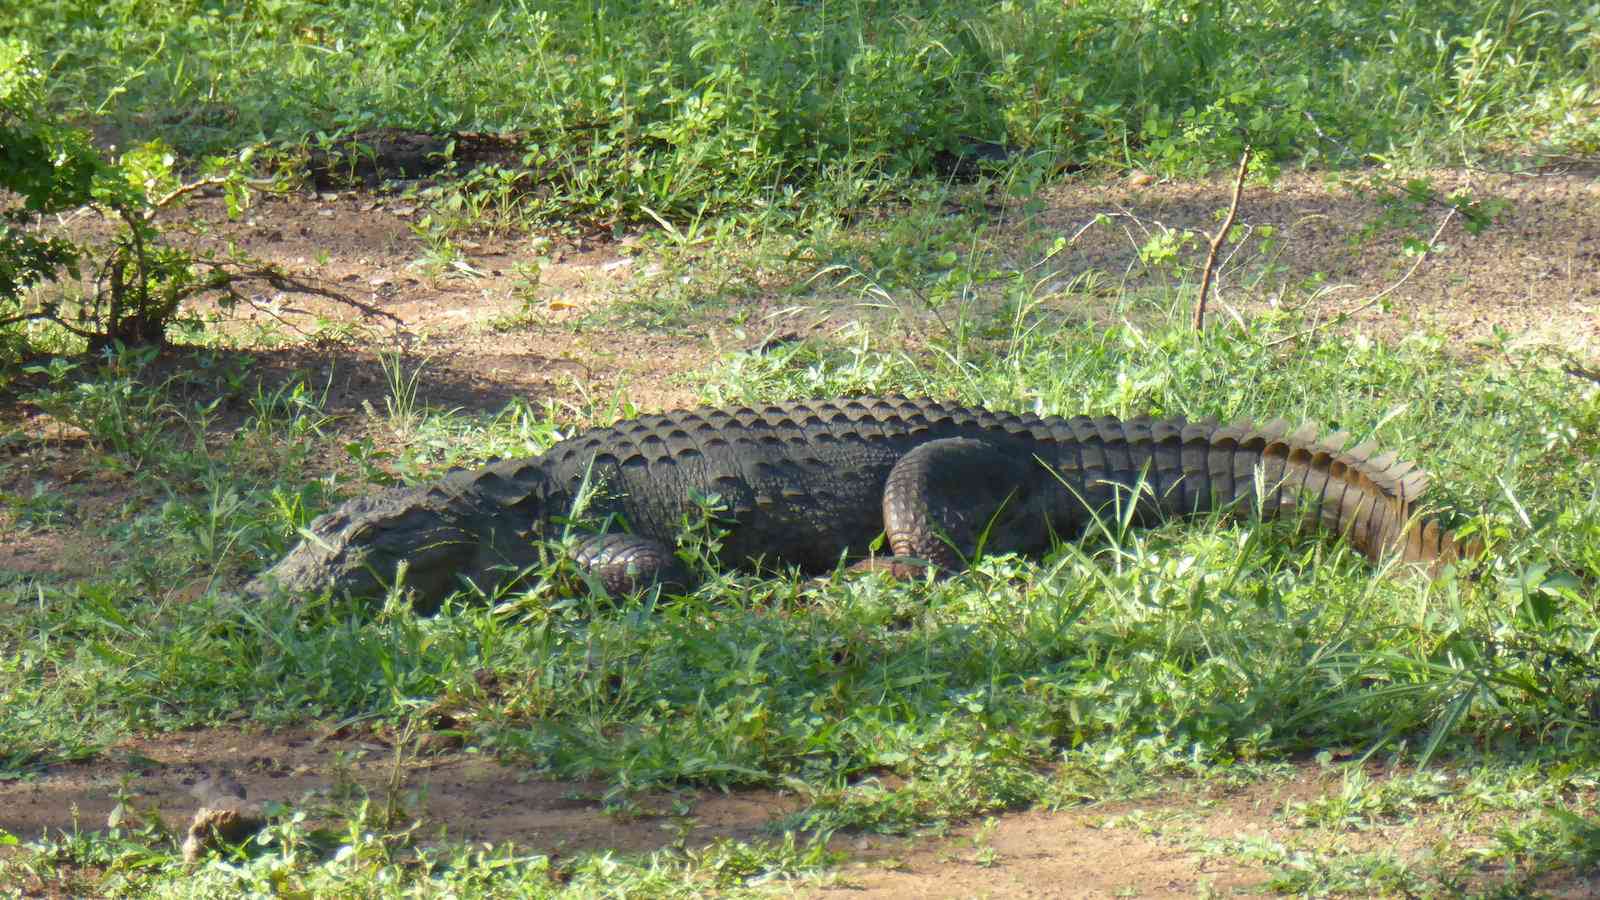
<point x="288" y="283"/>
<point x="1346" y="314"/>
<point x="1580" y="372"/>
<point x="182" y="189"/>
<point x="47" y="316"/>
<point x="1216" y="242"/>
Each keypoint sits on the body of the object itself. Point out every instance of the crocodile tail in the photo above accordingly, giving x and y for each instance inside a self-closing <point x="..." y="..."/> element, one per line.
<point x="1372" y="498"/>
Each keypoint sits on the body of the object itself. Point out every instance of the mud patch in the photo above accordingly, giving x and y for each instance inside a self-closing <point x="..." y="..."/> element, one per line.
<point x="457" y="796"/>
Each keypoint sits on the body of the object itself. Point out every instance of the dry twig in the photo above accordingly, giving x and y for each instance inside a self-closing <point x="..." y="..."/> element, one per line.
<point x="1577" y="371"/>
<point x="1346" y="314"/>
<point x="1216" y="242"/>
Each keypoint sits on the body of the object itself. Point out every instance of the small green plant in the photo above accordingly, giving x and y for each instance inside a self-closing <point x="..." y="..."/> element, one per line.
<point x="401" y="401"/>
<point x="137" y="280"/>
<point x="442" y="255"/>
<point x="488" y="200"/>
<point x="1408" y="206"/>
<point x="528" y="274"/>
<point x="110" y="404"/>
<point x="985" y="855"/>
<point x="42" y="507"/>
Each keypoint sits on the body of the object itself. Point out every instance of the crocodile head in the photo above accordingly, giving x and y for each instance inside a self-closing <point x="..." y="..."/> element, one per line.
<point x="359" y="548"/>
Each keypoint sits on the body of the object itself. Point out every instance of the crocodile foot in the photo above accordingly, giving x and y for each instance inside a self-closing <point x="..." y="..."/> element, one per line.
<point x="624" y="563"/>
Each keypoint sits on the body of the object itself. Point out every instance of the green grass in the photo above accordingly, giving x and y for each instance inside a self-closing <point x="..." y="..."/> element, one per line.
<point x="372" y="865"/>
<point x="1110" y="665"/>
<point x="643" y="108"/>
<point x="1204" y="653"/>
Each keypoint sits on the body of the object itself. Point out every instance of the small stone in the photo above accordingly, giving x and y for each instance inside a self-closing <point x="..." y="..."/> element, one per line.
<point x="224" y="816"/>
<point x="436" y="742"/>
<point x="214" y="826"/>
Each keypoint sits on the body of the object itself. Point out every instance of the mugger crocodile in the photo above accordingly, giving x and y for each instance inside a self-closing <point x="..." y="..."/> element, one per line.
<point x="811" y="483"/>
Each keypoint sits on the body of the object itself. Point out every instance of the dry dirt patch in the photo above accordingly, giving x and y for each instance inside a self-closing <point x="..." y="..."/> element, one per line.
<point x="1123" y="849"/>
<point x="1535" y="273"/>
<point x="484" y="327"/>
<point x="1160" y="846"/>
<point x="1043" y="855"/>
<point x="470" y="797"/>
<point x="1182" y="842"/>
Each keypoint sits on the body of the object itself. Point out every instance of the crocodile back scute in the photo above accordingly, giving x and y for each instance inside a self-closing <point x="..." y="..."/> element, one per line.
<point x="811" y="470"/>
<point x="797" y="482"/>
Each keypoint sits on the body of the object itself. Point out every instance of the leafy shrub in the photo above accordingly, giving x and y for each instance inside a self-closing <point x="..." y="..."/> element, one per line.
<point x="52" y="169"/>
<point x="139" y="279"/>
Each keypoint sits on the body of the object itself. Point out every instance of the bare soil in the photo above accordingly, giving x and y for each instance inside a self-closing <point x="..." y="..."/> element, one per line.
<point x="1177" y="843"/>
<point x="1534" y="274"/>
<point x="461" y="794"/>
<point x="488" y="336"/>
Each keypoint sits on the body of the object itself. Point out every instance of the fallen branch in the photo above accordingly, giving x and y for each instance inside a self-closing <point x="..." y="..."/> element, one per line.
<point x="237" y="271"/>
<point x="1216" y="243"/>
<point x="1577" y="371"/>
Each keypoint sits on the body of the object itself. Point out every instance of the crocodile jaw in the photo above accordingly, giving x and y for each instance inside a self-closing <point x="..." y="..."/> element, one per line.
<point x="360" y="547"/>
